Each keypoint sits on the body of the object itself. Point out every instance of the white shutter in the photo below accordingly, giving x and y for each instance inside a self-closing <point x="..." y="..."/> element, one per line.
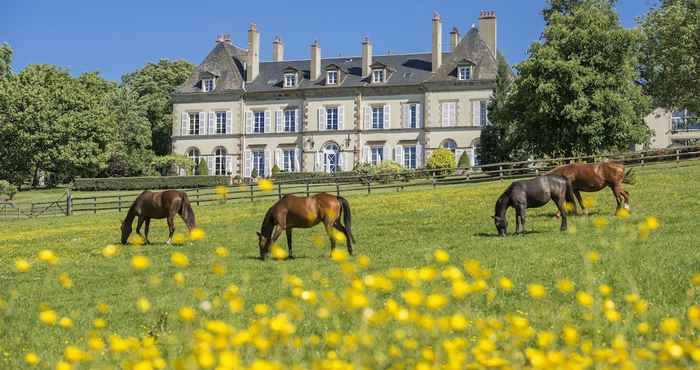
<point x="184" y="123"/>
<point x="419" y="156"/>
<point x="249" y="124"/>
<point x="229" y="164"/>
<point x="476" y="113"/>
<point x="472" y="156"/>
<point x="297" y="153"/>
<point x="202" y="124"/>
<point x="444" y="111"/>
<point x="418" y="115"/>
<point x="268" y="121"/>
<point x="368" y="118"/>
<point x="387" y="116"/>
<point x="279" y="122"/>
<point x="229" y="123"/>
<point x="458" y="155"/>
<point x="248" y="163"/>
<point x="341" y="112"/>
<point x="341" y="162"/>
<point x="297" y="120"/>
<point x="317" y="162"/>
<point x="268" y="162"/>
<point x="386" y="155"/>
<point x="211" y="127"/>
<point x="398" y="154"/>
<point x="321" y="119"/>
<point x="405" y="115"/>
<point x="368" y="154"/>
<point x="210" y="165"/>
<point x="278" y="158"/>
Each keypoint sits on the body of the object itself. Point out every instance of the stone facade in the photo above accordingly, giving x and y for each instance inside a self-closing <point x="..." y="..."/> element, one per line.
<point x="357" y="109"/>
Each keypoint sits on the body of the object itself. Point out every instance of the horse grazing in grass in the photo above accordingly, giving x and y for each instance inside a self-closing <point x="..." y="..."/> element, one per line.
<point x="594" y="177"/>
<point x="159" y="205"/>
<point x="304" y="212"/>
<point x="533" y="193"/>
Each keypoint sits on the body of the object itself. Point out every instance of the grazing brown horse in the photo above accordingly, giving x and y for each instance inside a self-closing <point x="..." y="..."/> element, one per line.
<point x="594" y="177"/>
<point x="304" y="212"/>
<point x="164" y="204"/>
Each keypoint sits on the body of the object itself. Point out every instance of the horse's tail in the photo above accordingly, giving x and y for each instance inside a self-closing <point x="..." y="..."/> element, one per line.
<point x="347" y="217"/>
<point x="187" y="212"/>
<point x="570" y="193"/>
<point x="630" y="177"/>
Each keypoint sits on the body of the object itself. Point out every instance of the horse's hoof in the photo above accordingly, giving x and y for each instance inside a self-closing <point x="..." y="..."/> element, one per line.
<point x="168" y="242"/>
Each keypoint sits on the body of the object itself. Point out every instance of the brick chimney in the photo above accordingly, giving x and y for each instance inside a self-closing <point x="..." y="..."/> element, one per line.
<point x="277" y="49"/>
<point x="437" y="42"/>
<point x="454" y="38"/>
<point x="487" y="29"/>
<point x="366" y="56"/>
<point x="315" y="67"/>
<point x="253" y="62"/>
<point x="223" y="38"/>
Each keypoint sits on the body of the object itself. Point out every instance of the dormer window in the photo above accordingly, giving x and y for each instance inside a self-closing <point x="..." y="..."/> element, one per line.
<point x="208" y="85"/>
<point x="378" y="75"/>
<point x="464" y="73"/>
<point x="290" y="79"/>
<point x="332" y="78"/>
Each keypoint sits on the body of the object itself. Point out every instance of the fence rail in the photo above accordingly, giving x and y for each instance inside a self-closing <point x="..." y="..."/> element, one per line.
<point x="68" y="204"/>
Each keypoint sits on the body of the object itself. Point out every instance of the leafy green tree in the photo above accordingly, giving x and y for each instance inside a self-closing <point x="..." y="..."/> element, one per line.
<point x="202" y="168"/>
<point x="5" y="60"/>
<point x="154" y="85"/>
<point x="463" y="161"/>
<point x="132" y="134"/>
<point x="576" y="93"/>
<point x="670" y="57"/>
<point x="275" y="170"/>
<point x="441" y="159"/>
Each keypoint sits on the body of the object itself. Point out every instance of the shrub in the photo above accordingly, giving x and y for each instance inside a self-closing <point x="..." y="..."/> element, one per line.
<point x="442" y="161"/>
<point x="463" y="161"/>
<point x="7" y="189"/>
<point x="202" y="168"/>
<point x="388" y="171"/>
<point x="275" y="170"/>
<point x="254" y="173"/>
<point x="151" y="182"/>
<point x="315" y="177"/>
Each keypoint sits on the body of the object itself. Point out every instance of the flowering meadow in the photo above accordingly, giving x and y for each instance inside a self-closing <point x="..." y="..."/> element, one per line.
<point x="431" y="287"/>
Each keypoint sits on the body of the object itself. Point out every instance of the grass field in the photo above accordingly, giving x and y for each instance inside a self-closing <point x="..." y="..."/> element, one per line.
<point x="332" y="313"/>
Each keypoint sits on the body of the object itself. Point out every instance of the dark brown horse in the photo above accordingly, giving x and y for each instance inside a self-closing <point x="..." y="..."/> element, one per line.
<point x="164" y="204"/>
<point x="596" y="176"/>
<point x="304" y="212"/>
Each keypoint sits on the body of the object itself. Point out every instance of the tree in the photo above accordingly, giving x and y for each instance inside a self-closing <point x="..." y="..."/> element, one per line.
<point x="441" y="159"/>
<point x="5" y="60"/>
<point x="132" y="141"/>
<point x="670" y="57"/>
<point x="202" y="168"/>
<point x="576" y="93"/>
<point x="500" y="140"/>
<point x="463" y="161"/>
<point x="154" y="84"/>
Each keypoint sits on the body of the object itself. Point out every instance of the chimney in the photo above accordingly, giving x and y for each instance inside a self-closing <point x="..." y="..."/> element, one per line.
<point x="454" y="38"/>
<point x="437" y="42"/>
<point x="366" y="56"/>
<point x="223" y="38"/>
<point x="253" y="62"/>
<point x="487" y="29"/>
<point x="277" y="49"/>
<point x="315" y="60"/>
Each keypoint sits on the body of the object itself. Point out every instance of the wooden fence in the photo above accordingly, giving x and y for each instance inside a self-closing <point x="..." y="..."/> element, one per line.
<point x="70" y="204"/>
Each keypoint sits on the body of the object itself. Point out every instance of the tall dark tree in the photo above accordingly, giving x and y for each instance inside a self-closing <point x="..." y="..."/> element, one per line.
<point x="131" y="148"/>
<point x="153" y="84"/>
<point x="670" y="60"/>
<point x="5" y="60"/>
<point x="576" y="93"/>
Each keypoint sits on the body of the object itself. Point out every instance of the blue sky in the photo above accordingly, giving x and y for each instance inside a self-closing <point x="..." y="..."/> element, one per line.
<point x="116" y="37"/>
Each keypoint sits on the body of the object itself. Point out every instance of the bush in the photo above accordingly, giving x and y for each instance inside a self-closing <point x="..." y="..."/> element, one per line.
<point x="314" y="177"/>
<point x="464" y="161"/>
<point x="7" y="189"/>
<point x="275" y="170"/>
<point x="154" y="182"/>
<point x="202" y="168"/>
<point x="254" y="173"/>
<point x="442" y="161"/>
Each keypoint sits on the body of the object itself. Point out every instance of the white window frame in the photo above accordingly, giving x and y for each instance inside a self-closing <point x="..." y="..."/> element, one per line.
<point x="408" y="159"/>
<point x="377" y="117"/>
<point x="195" y="124"/>
<point x="257" y="114"/>
<point x="334" y="80"/>
<point x="260" y="154"/>
<point x="448" y="113"/>
<point x="332" y="121"/>
<point x="290" y="79"/>
<point x="378" y="75"/>
<point x="220" y="159"/>
<point x="464" y="73"/>
<point x="220" y="126"/>
<point x="289" y="160"/>
<point x="376" y="154"/>
<point x="484" y="113"/>
<point x="413" y="115"/>
<point x="208" y="84"/>
<point x="290" y="120"/>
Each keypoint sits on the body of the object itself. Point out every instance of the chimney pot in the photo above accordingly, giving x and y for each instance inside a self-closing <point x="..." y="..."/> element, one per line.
<point x="437" y="42"/>
<point x="253" y="62"/>
<point x="315" y="70"/>
<point x="488" y="30"/>
<point x="277" y="49"/>
<point x="366" y="56"/>
<point x="454" y="38"/>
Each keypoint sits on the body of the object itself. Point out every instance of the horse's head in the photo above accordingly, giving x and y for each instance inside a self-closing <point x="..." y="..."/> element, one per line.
<point x="264" y="245"/>
<point x="126" y="231"/>
<point x="501" y="225"/>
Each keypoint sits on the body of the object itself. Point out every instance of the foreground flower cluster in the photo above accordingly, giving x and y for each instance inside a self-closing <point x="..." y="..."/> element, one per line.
<point x="446" y="314"/>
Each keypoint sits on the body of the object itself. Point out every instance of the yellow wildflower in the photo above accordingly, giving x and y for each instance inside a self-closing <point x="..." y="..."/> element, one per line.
<point x="536" y="291"/>
<point x="99" y="323"/>
<point x="197" y="234"/>
<point x="670" y="326"/>
<point x="441" y="256"/>
<point x="65" y="322"/>
<point x="436" y="301"/>
<point x="178" y="239"/>
<point x="65" y="280"/>
<point x="643" y="328"/>
<point x="221" y="251"/>
<point x="187" y="313"/>
<point x="652" y="223"/>
<point x="31" y="358"/>
<point x="593" y="256"/>
<point x="143" y="304"/>
<point x="600" y="222"/>
<point x="22" y="265"/>
<point x="278" y="252"/>
<point x="179" y="259"/>
<point x="584" y="298"/>
<point x="140" y="262"/>
<point x="48" y="256"/>
<point x="265" y="185"/>
<point x="565" y="286"/>
<point x="110" y="250"/>
<point x="48" y="317"/>
<point x="505" y="283"/>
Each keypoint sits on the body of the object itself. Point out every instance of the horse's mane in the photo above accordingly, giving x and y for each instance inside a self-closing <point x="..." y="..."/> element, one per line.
<point x="502" y="203"/>
<point x="187" y="212"/>
<point x="268" y="224"/>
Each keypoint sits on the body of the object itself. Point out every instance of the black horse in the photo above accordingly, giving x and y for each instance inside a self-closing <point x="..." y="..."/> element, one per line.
<point x="533" y="193"/>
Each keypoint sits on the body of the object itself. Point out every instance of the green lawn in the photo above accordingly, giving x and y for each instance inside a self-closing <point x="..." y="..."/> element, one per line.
<point x="394" y="229"/>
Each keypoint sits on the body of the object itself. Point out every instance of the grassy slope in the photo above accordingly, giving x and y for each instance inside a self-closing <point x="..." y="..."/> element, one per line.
<point x="393" y="229"/>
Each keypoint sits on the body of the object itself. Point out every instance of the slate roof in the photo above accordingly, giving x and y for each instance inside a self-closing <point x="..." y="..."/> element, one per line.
<point x="226" y="61"/>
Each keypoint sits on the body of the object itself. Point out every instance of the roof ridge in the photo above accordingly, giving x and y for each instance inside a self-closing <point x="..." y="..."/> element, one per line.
<point x="352" y="57"/>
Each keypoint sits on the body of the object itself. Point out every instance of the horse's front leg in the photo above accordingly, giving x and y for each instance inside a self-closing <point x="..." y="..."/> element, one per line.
<point x="560" y="206"/>
<point x="171" y="229"/>
<point x="138" y="226"/>
<point x="580" y="202"/>
<point x="289" y="242"/>
<point x="329" y="231"/>
<point x="520" y="219"/>
<point x="145" y="231"/>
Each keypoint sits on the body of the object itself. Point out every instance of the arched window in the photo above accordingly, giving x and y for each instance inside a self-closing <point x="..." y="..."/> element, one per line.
<point x="475" y="152"/>
<point x="449" y="144"/>
<point x="194" y="155"/>
<point x="220" y="159"/>
<point x="330" y="157"/>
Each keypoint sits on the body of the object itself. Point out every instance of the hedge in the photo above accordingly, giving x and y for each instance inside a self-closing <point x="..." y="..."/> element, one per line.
<point x="153" y="182"/>
<point x="315" y="177"/>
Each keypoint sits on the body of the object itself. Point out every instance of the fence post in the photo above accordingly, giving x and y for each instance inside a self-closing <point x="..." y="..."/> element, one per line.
<point x="307" y="188"/>
<point x="119" y="202"/>
<point x="432" y="179"/>
<point x="94" y="205"/>
<point x="69" y="203"/>
<point x="31" y="210"/>
<point x="678" y="157"/>
<point x="337" y="189"/>
<point x="500" y="172"/>
<point x="279" y="190"/>
<point x="369" y="186"/>
<point x="196" y="190"/>
<point x="251" y="192"/>
<point x="642" y="157"/>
